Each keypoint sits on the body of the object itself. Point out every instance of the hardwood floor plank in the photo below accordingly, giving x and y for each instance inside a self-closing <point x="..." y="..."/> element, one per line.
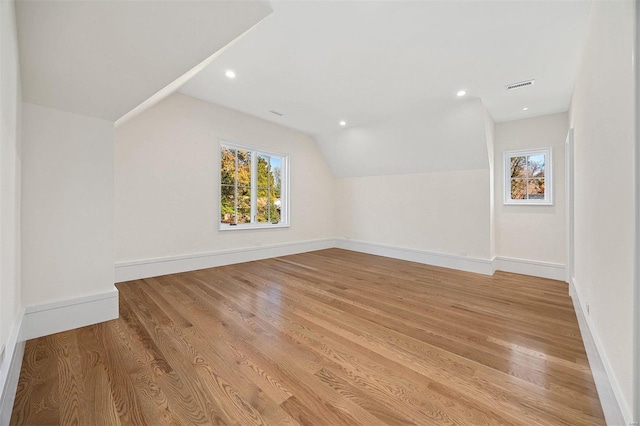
<point x="474" y="345"/>
<point x="197" y="348"/>
<point x="37" y="394"/>
<point x="325" y="343"/>
<point x="240" y="326"/>
<point x="73" y="407"/>
<point x="194" y="405"/>
<point x="322" y="338"/>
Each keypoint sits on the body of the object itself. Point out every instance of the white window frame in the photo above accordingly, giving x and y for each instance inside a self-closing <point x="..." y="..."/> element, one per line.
<point x="548" y="177"/>
<point x="284" y="193"/>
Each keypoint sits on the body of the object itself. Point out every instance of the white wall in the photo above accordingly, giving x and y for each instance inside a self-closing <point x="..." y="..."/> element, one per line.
<point x="446" y="212"/>
<point x="603" y="115"/>
<point x="167" y="181"/>
<point x="531" y="232"/>
<point x="67" y="205"/>
<point x="418" y="180"/>
<point x="10" y="127"/>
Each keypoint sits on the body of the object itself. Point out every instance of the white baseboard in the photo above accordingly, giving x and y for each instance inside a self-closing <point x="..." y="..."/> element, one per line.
<point x="49" y="318"/>
<point x="133" y="270"/>
<point x="10" y="368"/>
<point x="615" y="410"/>
<point x="553" y="271"/>
<point x="41" y="320"/>
<point x="463" y="263"/>
<point x="127" y="271"/>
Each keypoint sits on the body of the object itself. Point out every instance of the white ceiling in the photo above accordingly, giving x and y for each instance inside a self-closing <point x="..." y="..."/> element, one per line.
<point x="104" y="58"/>
<point x="318" y="62"/>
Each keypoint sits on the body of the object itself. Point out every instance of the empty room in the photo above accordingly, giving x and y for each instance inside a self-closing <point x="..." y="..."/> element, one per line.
<point x="254" y="212"/>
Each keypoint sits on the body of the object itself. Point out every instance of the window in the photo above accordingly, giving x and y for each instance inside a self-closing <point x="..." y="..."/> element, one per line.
<point x="253" y="188"/>
<point x="528" y="177"/>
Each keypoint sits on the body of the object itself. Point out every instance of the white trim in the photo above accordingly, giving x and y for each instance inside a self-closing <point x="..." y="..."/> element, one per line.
<point x="127" y="271"/>
<point x="10" y="368"/>
<point x="224" y="227"/>
<point x="569" y="204"/>
<point x="284" y="190"/>
<point x="463" y="263"/>
<point x="553" y="271"/>
<point x="636" y="248"/>
<point x="145" y="268"/>
<point x="49" y="318"/>
<point x="41" y="320"/>
<point x="615" y="410"/>
<point x="548" y="177"/>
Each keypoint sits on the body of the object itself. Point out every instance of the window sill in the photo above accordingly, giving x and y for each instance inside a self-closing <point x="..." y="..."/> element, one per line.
<point x="227" y="227"/>
<point x="528" y="203"/>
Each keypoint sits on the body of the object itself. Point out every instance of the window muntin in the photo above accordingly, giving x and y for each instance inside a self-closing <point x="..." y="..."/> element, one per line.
<point x="253" y="188"/>
<point x="528" y="177"/>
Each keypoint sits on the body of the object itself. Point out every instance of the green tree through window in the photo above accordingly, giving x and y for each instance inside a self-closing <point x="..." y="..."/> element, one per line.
<point x="251" y="186"/>
<point x="269" y="188"/>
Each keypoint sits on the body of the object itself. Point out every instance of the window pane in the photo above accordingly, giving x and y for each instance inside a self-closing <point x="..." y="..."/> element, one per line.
<point x="518" y="166"/>
<point x="227" y="166"/>
<point x="250" y="179"/>
<point x="244" y="205"/>
<point x="263" y="171"/>
<point x="536" y="189"/>
<point x="274" y="210"/>
<point x="262" y="200"/>
<point x="244" y="168"/>
<point x="262" y="204"/>
<point x="518" y="189"/>
<point x="535" y="166"/>
<point x="227" y="204"/>
<point x="276" y="177"/>
<point x="268" y="206"/>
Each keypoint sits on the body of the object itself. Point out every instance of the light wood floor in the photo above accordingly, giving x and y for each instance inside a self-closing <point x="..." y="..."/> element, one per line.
<point x="324" y="338"/>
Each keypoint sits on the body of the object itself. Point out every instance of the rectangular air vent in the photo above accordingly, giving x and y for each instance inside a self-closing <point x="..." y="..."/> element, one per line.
<point x="521" y="84"/>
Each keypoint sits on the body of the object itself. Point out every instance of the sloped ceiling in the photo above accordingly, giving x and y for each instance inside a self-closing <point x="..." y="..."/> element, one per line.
<point x="104" y="58"/>
<point x="319" y="62"/>
<point x="391" y="70"/>
<point x="431" y="138"/>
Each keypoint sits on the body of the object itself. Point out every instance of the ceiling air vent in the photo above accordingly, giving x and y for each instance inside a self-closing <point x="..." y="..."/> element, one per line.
<point x="520" y="84"/>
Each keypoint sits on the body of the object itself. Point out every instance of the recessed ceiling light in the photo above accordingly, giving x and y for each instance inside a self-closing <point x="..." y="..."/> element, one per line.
<point x="525" y="108"/>
<point x="343" y="123"/>
<point x="230" y="74"/>
<point x="461" y="93"/>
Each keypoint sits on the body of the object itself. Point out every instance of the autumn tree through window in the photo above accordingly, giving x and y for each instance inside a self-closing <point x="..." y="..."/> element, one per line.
<point x="528" y="177"/>
<point x="252" y="188"/>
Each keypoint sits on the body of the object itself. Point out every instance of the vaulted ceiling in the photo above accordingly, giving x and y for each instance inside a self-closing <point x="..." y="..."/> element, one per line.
<point x="104" y="58"/>
<point x="319" y="62"/>
<point x="390" y="69"/>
